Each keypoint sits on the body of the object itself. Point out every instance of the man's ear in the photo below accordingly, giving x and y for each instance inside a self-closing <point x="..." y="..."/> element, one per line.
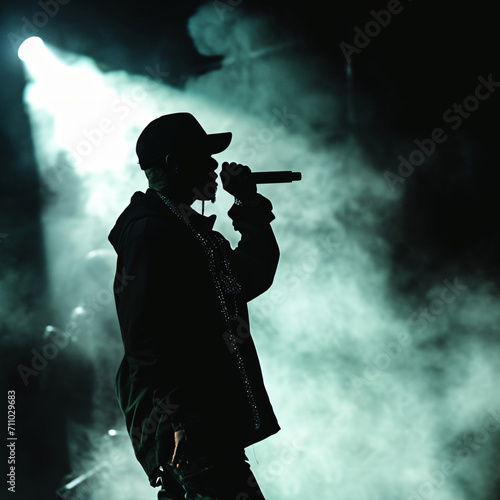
<point x="172" y="164"/>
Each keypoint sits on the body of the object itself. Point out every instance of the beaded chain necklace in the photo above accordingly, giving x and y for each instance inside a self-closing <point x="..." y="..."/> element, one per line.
<point x="225" y="285"/>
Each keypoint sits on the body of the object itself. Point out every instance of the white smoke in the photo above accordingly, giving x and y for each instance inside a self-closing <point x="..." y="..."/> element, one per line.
<point x="379" y="396"/>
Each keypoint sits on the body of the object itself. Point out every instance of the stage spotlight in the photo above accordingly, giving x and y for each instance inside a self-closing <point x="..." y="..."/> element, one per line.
<point x="114" y="432"/>
<point x="31" y="48"/>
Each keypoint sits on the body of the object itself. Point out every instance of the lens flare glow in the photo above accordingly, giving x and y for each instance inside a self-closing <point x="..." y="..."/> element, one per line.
<point x="31" y="49"/>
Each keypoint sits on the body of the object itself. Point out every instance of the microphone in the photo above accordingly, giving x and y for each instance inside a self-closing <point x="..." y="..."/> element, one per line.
<point x="275" y="177"/>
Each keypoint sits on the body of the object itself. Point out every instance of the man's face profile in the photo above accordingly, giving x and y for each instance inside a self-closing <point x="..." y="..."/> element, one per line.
<point x="198" y="173"/>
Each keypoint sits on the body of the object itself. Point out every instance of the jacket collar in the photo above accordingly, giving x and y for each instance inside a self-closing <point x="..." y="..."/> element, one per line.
<point x="200" y="222"/>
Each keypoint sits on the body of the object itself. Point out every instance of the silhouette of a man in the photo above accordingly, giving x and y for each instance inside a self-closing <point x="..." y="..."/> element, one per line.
<point x="190" y="384"/>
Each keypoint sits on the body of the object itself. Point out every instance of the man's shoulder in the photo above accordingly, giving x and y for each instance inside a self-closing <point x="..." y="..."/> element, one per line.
<point x="144" y="215"/>
<point x="146" y="205"/>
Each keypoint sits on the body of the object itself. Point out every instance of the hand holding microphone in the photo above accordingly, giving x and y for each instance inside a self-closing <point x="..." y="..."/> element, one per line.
<point x="237" y="180"/>
<point x="241" y="178"/>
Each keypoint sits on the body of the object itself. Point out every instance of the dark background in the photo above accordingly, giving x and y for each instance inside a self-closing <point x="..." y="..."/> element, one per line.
<point x="410" y="74"/>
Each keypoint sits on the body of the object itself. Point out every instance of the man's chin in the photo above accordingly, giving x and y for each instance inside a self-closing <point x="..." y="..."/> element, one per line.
<point x="204" y="195"/>
<point x="210" y="198"/>
<point x="207" y="196"/>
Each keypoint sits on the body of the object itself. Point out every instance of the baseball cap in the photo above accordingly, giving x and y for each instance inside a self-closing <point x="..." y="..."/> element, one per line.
<point x="174" y="133"/>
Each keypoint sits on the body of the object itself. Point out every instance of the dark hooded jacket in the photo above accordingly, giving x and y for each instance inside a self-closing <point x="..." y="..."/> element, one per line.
<point x="183" y="366"/>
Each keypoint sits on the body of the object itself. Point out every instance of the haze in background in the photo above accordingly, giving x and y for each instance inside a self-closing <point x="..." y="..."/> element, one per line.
<point x="379" y="395"/>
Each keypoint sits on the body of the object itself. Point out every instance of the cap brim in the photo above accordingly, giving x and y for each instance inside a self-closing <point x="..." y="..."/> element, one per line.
<point x="218" y="142"/>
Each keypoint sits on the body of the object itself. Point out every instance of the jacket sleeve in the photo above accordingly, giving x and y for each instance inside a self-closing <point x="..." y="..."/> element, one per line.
<point x="256" y="256"/>
<point x="151" y="310"/>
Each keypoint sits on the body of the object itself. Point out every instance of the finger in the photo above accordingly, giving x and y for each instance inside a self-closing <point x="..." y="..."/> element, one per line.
<point x="174" y="458"/>
<point x="224" y="177"/>
<point x="232" y="168"/>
